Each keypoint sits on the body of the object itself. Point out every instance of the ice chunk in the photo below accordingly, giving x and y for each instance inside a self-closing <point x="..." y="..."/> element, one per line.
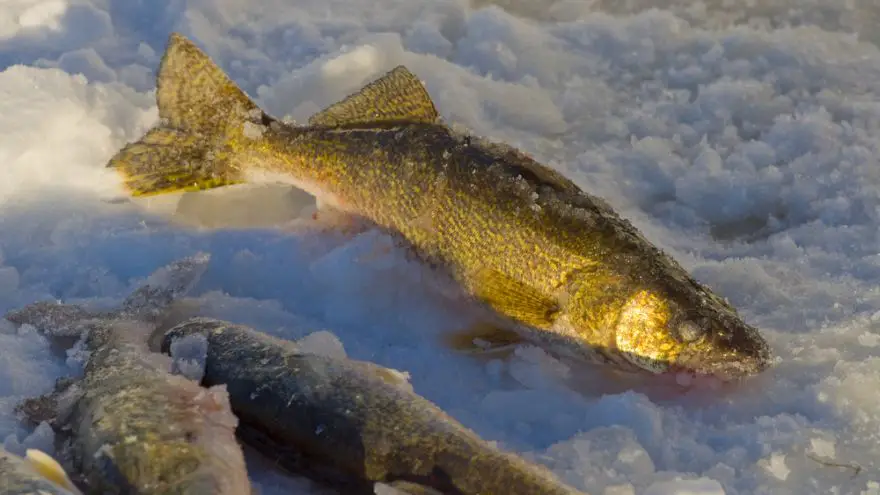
<point x="323" y="343"/>
<point x="823" y="448"/>
<point x="17" y="16"/>
<point x="42" y="438"/>
<point x="12" y="444"/>
<point x="701" y="486"/>
<point x="622" y="489"/>
<point x="384" y="489"/>
<point x="869" y="339"/>
<point x="776" y="466"/>
<point x="535" y="368"/>
<point x="27" y="364"/>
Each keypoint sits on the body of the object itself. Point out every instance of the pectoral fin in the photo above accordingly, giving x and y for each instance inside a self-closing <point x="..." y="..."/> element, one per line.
<point x="514" y="299"/>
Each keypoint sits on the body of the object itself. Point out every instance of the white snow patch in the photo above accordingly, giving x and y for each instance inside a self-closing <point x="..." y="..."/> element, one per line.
<point x="702" y="486"/>
<point x="20" y="15"/>
<point x="385" y="489"/>
<point x="41" y="438"/>
<point x="59" y="130"/>
<point x="776" y="466"/>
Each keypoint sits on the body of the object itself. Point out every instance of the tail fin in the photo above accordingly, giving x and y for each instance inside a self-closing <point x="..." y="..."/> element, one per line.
<point x="203" y="120"/>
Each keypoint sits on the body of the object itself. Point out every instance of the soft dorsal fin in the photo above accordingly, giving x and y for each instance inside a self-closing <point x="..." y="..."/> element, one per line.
<point x="398" y="96"/>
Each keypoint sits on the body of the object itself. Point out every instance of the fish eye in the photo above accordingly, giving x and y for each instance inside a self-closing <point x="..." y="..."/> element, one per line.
<point x="688" y="331"/>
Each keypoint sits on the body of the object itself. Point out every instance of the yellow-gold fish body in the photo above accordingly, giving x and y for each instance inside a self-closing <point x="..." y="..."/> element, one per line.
<point x="558" y="265"/>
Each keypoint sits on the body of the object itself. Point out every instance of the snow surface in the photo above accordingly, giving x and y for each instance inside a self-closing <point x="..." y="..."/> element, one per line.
<point x="741" y="136"/>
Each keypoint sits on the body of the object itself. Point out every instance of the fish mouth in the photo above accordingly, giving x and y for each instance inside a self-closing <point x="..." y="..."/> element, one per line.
<point x="729" y="356"/>
<point x="723" y="364"/>
<point x="726" y="370"/>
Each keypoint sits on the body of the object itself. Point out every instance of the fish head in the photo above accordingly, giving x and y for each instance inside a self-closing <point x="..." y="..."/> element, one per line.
<point x="670" y="330"/>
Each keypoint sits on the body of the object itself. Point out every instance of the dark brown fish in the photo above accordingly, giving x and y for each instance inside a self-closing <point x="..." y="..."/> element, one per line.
<point x="346" y="422"/>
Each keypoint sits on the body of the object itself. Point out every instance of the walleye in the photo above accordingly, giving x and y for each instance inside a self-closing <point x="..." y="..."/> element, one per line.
<point x="351" y="421"/>
<point x="36" y="473"/>
<point x="557" y="265"/>
<point x="132" y="426"/>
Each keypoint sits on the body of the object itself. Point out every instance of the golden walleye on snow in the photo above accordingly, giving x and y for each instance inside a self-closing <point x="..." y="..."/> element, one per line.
<point x="557" y="265"/>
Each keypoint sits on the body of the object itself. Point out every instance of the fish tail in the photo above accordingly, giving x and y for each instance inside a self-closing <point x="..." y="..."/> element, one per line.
<point x="204" y="120"/>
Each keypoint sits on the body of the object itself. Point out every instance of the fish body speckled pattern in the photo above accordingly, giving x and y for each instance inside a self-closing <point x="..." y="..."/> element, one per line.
<point x="555" y="264"/>
<point x="132" y="427"/>
<point x="346" y="422"/>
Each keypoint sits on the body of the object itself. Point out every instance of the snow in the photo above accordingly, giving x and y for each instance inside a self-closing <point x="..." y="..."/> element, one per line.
<point x="741" y="136"/>
<point x="702" y="486"/>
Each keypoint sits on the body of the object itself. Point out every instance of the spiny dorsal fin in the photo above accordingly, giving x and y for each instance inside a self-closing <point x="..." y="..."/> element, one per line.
<point x="398" y="96"/>
<point x="194" y="94"/>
